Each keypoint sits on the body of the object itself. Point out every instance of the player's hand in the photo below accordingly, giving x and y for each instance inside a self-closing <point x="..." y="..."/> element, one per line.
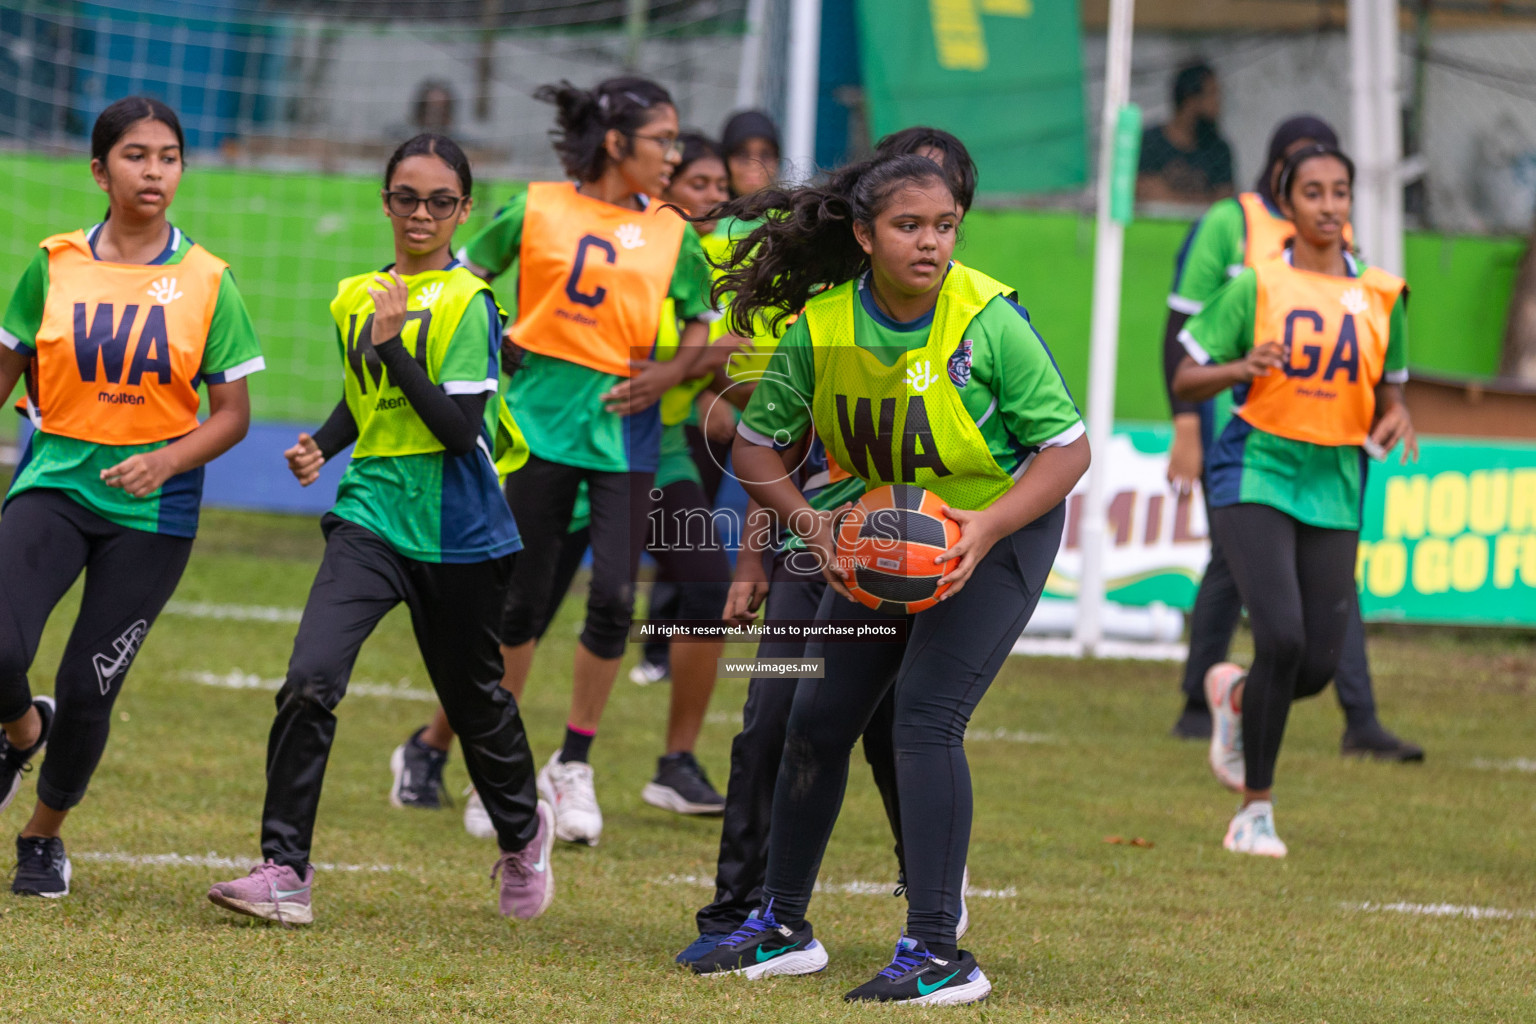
<point x="140" y="475"/>
<point x="388" y="306"/>
<point x="1186" y="456"/>
<point x="644" y="389"/>
<point x="978" y="532"/>
<point x="1259" y="361"/>
<point x="823" y="544"/>
<point x="1394" y="426"/>
<point x="305" y="460"/>
<point x="743" y="600"/>
<point x="717" y="417"/>
<point x="718" y="353"/>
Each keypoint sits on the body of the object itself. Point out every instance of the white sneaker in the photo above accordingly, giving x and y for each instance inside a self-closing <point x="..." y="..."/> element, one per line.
<point x="1253" y="831"/>
<point x="965" y="914"/>
<point x="1226" y="725"/>
<point x="645" y="673"/>
<point x="568" y="788"/>
<point x="476" y="822"/>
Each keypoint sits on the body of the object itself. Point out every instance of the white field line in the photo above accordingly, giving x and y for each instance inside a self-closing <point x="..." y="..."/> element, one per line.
<point x="1443" y="910"/>
<point x="850" y="888"/>
<point x="1064" y="647"/>
<point x="974" y="735"/>
<point x="233" y="612"/>
<point x="210" y="860"/>
<point x="1517" y="764"/>
<point x="235" y="679"/>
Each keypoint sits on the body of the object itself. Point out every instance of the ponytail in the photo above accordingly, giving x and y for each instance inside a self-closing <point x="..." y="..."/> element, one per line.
<point x="584" y="117"/>
<point x="805" y="242"/>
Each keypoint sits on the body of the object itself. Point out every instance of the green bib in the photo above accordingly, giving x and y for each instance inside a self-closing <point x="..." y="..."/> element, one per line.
<point x="386" y="423"/>
<point x="904" y="423"/>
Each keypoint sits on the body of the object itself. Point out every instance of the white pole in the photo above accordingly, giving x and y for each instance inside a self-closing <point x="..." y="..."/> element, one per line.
<point x="749" y="74"/>
<point x="1389" y="137"/>
<point x="1365" y="130"/>
<point x="1108" y="258"/>
<point x="800" y="105"/>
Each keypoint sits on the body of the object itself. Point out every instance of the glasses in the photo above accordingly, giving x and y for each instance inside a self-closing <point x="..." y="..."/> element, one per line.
<point x="670" y="145"/>
<point x="404" y="204"/>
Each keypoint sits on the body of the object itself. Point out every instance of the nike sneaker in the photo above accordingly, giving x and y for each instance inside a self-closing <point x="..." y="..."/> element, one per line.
<point x="763" y="948"/>
<point x="42" y="867"/>
<point x="918" y="978"/>
<point x="527" y="882"/>
<point x="272" y="892"/>
<point x="418" y="772"/>
<point x="1226" y="755"/>
<point x="477" y="822"/>
<point x="567" y="785"/>
<point x="680" y="785"/>
<point x="699" y="946"/>
<point x="13" y="761"/>
<point x="1253" y="831"/>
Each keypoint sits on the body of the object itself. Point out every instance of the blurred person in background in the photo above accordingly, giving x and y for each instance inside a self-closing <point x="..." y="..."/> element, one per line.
<point x="432" y="110"/>
<point x="1186" y="160"/>
<point x="751" y="143"/>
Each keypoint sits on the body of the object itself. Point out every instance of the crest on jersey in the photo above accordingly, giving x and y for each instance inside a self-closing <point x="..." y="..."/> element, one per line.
<point x="428" y="295"/>
<point x="960" y="364"/>
<point x="1353" y="301"/>
<point x="164" y="291"/>
<point x="629" y="236"/>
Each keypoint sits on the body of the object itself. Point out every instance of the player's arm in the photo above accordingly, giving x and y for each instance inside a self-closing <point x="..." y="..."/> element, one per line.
<point x="690" y="291"/>
<point x="494" y="248"/>
<point x="23" y="319"/>
<point x="1218" y="344"/>
<point x="1393" y="424"/>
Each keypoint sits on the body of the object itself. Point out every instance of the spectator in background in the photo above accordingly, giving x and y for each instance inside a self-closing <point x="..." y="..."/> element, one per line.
<point x="432" y="110"/>
<point x="751" y="143"/>
<point x="1187" y="160"/>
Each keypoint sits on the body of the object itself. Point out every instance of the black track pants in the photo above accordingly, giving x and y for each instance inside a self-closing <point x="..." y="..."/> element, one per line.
<point x="1298" y="582"/>
<point x="46" y="539"/>
<point x="938" y="676"/>
<point x="455" y="609"/>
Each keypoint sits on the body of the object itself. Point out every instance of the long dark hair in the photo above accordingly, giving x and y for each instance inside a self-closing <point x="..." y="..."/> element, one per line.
<point x="432" y="144"/>
<point x="1286" y="134"/>
<point x="805" y="241"/>
<point x="113" y="123"/>
<point x="583" y="118"/>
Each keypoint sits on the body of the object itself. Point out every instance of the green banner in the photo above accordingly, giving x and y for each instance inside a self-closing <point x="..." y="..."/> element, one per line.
<point x="1006" y="76"/>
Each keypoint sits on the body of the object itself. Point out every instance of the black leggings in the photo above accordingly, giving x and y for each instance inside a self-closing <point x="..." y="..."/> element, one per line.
<point x="454" y="612"/>
<point x="542" y="495"/>
<point x="952" y="653"/>
<point x="46" y="539"/>
<point x="1298" y="582"/>
<point x="759" y="747"/>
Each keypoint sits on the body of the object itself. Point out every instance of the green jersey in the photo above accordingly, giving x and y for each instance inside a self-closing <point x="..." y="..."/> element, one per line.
<point x="74" y="466"/>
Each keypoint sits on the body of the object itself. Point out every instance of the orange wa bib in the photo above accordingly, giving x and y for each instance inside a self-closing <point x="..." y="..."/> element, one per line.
<point x="592" y="277"/>
<point x="121" y="344"/>
<point x="1265" y="234"/>
<point x="1336" y="330"/>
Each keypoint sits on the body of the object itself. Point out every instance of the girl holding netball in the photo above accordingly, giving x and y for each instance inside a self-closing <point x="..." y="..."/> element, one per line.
<point x="114" y="328"/>
<point x="1315" y="345"/>
<point x="420" y="520"/>
<point x="914" y="370"/>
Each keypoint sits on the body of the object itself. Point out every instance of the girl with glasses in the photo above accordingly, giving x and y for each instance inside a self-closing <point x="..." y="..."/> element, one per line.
<point x="419" y="519"/>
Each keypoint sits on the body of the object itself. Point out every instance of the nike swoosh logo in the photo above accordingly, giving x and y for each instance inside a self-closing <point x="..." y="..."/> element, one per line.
<point x="924" y="990"/>
<point x="542" y="862"/>
<point x="762" y="958"/>
<point x="283" y="894"/>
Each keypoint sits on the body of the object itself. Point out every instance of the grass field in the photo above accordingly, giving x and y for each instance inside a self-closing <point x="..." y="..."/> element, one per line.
<point x="1070" y="928"/>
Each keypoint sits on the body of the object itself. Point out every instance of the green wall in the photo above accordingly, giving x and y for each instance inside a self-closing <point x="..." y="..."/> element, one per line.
<point x="290" y="237"/>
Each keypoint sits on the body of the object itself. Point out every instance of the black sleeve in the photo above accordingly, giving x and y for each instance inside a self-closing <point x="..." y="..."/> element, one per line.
<point x="454" y="421"/>
<point x="1173" y="355"/>
<point x="338" y="431"/>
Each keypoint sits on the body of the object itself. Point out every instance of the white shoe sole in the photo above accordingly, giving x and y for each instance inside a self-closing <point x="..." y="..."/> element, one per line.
<point x="957" y="995"/>
<point x="16" y="782"/>
<point x="669" y="799"/>
<point x="805" y="961"/>
<point x="397" y="769"/>
<point x="1217" y="701"/>
<point x="291" y="913"/>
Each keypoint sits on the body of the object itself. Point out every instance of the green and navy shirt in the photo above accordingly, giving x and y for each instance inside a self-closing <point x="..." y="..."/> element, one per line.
<point x="74" y="466"/>
<point x="558" y="404"/>
<point x="1321" y="485"/>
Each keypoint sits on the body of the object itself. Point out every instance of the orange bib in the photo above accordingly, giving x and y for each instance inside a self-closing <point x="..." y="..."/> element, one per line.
<point x="592" y="277"/>
<point x="1336" y="330"/>
<point x="1265" y="234"/>
<point x="121" y="345"/>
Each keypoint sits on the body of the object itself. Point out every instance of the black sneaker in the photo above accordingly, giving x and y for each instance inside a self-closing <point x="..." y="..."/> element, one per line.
<point x="1194" y="723"/>
<point x="1375" y="741"/>
<point x="14" y="762"/>
<point x="918" y="978"/>
<point x="762" y="948"/>
<point x="42" y="869"/>
<point x="418" y="771"/>
<point x="680" y="785"/>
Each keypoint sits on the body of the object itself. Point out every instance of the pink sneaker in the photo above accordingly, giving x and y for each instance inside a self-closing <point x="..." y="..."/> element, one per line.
<point x="1226" y="725"/>
<point x="527" y="883"/>
<point x="272" y="892"/>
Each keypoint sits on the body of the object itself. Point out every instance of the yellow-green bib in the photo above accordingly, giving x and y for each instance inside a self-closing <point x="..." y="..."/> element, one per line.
<point x="904" y="423"/>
